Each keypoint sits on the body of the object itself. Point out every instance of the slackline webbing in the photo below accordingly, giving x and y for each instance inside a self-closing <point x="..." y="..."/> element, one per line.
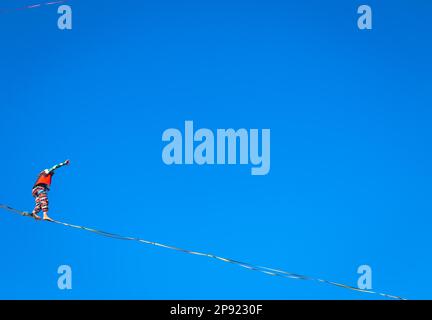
<point x="34" y="6"/>
<point x="265" y="270"/>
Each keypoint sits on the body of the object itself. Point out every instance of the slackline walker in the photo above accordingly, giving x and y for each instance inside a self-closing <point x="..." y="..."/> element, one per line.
<point x="265" y="270"/>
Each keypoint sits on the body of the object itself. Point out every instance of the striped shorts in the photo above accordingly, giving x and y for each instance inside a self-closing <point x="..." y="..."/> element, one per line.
<point x="41" y="199"/>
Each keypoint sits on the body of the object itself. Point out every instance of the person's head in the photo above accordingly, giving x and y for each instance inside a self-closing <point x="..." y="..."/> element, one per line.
<point x="46" y="172"/>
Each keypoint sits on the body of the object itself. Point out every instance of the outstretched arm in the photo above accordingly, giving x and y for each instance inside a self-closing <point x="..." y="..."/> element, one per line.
<point x="58" y="166"/>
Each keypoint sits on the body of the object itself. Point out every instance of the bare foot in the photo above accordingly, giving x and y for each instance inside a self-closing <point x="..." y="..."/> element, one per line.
<point x="46" y="218"/>
<point x="35" y="216"/>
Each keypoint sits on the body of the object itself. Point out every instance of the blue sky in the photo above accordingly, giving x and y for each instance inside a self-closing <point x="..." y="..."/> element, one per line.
<point x="350" y="178"/>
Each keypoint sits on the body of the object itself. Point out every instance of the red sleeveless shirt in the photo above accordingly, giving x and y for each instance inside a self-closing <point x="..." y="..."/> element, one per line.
<point x="44" y="179"/>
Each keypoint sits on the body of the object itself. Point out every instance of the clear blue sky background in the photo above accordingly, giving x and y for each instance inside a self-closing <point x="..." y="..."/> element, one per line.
<point x="350" y="114"/>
